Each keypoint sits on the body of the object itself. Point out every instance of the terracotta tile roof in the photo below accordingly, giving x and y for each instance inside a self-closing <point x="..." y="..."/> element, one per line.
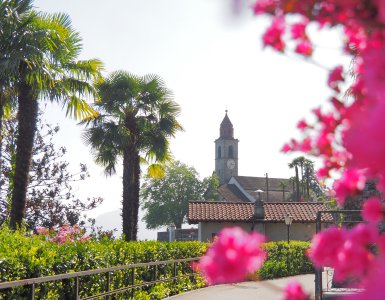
<point x="302" y="212"/>
<point x="231" y="193"/>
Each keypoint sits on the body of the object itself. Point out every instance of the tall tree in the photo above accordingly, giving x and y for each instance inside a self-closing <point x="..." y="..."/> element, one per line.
<point x="14" y="15"/>
<point x="50" y="197"/>
<point x="137" y="118"/>
<point x="307" y="185"/>
<point x="42" y="58"/>
<point x="283" y="185"/>
<point x="211" y="185"/>
<point x="165" y="199"/>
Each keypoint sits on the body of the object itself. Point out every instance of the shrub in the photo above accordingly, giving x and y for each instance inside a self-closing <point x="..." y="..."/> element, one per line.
<point x="23" y="256"/>
<point x="285" y="259"/>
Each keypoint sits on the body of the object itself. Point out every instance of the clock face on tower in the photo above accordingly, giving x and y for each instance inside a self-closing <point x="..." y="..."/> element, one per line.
<point x="231" y="164"/>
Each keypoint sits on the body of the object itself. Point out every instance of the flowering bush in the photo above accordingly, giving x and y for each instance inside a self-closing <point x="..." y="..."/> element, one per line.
<point x="25" y="256"/>
<point x="349" y="137"/>
<point x="64" y="234"/>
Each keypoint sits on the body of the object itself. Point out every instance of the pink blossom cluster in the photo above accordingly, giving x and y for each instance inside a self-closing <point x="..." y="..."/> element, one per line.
<point x="294" y="291"/>
<point x="233" y="255"/>
<point x="64" y="234"/>
<point x="338" y="247"/>
<point x="337" y="136"/>
<point x="348" y="137"/>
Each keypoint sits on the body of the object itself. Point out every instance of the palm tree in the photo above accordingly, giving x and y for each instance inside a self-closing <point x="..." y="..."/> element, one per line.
<point x="294" y="164"/>
<point x="283" y="185"/>
<point x="42" y="65"/>
<point x="14" y="15"/>
<point x="137" y="118"/>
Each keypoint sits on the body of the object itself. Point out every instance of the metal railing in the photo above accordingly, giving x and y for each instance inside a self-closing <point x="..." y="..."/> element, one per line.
<point x="33" y="283"/>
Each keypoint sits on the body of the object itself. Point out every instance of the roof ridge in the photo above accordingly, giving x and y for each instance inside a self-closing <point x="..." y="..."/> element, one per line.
<point x="287" y="202"/>
<point x="219" y="202"/>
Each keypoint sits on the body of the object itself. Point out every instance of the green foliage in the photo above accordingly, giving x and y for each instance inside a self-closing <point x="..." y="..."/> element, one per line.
<point x="50" y="197"/>
<point x="37" y="257"/>
<point x="136" y="121"/>
<point x="307" y="186"/>
<point x="211" y="185"/>
<point x="286" y="260"/>
<point x="166" y="199"/>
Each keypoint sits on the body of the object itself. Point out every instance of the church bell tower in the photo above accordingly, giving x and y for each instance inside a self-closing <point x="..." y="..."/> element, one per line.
<point x="226" y="152"/>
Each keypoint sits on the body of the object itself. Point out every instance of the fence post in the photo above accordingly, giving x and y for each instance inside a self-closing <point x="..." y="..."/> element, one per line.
<point x="174" y="271"/>
<point x="132" y="282"/>
<point x="318" y="271"/>
<point x="76" y="288"/>
<point x="108" y="284"/>
<point x="154" y="272"/>
<point x="32" y="291"/>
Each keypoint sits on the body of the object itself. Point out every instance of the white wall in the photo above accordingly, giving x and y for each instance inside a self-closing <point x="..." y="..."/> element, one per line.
<point x="273" y="231"/>
<point x="207" y="229"/>
<point x="298" y="231"/>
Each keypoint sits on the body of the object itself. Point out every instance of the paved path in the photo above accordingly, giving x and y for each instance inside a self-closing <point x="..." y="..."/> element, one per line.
<point x="250" y="290"/>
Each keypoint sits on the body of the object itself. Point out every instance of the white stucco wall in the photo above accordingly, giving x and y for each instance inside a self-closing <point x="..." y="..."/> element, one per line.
<point x="206" y="230"/>
<point x="298" y="231"/>
<point x="273" y="231"/>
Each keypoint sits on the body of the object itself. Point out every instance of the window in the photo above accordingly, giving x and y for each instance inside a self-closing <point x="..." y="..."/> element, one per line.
<point x="231" y="152"/>
<point x="219" y="154"/>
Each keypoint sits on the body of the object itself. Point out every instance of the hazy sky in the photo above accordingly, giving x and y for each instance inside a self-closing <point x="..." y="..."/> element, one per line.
<point x="211" y="61"/>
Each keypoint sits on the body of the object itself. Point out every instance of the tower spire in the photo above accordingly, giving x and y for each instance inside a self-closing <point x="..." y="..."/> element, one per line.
<point x="226" y="129"/>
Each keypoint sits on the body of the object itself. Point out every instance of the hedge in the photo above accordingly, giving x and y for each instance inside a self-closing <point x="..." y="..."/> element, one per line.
<point x="24" y="257"/>
<point x="286" y="260"/>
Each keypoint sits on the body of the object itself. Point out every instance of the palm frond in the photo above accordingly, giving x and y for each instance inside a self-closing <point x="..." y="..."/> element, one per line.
<point x="156" y="171"/>
<point x="80" y="109"/>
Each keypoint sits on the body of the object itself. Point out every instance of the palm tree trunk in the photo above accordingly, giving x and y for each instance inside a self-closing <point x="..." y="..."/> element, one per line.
<point x="131" y="176"/>
<point x="2" y="102"/>
<point x="297" y="184"/>
<point x="27" y="118"/>
<point x="302" y="180"/>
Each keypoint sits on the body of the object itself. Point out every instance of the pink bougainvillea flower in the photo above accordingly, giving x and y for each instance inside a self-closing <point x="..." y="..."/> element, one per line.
<point x="305" y="145"/>
<point x="298" y="30"/>
<point x="351" y="182"/>
<point x="374" y="284"/>
<point x="342" y="248"/>
<point x="335" y="77"/>
<point x="294" y="291"/>
<point x="322" y="172"/>
<point x="356" y="38"/>
<point x="302" y="125"/>
<point x="42" y="230"/>
<point x="263" y="6"/>
<point x="273" y="35"/>
<point x="373" y="64"/>
<point x="373" y="210"/>
<point x="380" y="10"/>
<point x="304" y="47"/>
<point x="326" y="256"/>
<point x="364" y="140"/>
<point x="286" y="148"/>
<point x="232" y="256"/>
